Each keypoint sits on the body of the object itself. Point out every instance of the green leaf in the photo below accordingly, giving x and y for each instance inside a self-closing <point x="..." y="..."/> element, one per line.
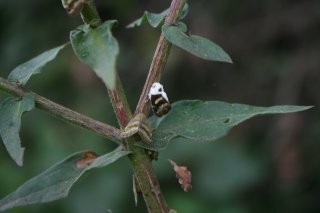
<point x="98" y="49"/>
<point x="55" y="182"/>
<point x="22" y="73"/>
<point x="200" y="122"/>
<point x="196" y="45"/>
<point x="155" y="19"/>
<point x="11" y="110"/>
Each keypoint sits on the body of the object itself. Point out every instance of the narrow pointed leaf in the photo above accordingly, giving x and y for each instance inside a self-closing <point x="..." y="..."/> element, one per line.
<point x="11" y="110"/>
<point x="196" y="45"/>
<point x="55" y="182"/>
<point x="98" y="49"/>
<point x="155" y="19"/>
<point x="199" y="122"/>
<point x="22" y="73"/>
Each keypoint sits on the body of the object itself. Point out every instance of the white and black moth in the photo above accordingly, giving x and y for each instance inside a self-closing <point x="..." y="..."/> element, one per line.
<point x="159" y="99"/>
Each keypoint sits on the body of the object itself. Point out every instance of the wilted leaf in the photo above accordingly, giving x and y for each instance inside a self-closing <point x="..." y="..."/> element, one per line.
<point x="200" y="122"/>
<point x="183" y="175"/>
<point x="196" y="45"/>
<point x="98" y="49"/>
<point x="11" y="110"/>
<point x="23" y="72"/>
<point x="155" y="19"/>
<point x="55" y="182"/>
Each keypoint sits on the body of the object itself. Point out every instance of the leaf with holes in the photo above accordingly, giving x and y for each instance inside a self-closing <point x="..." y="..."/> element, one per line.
<point x="22" y="73"/>
<point x="200" y="122"/>
<point x="97" y="48"/>
<point x="56" y="182"/>
<point x="196" y="45"/>
<point x="155" y="19"/>
<point x="11" y="110"/>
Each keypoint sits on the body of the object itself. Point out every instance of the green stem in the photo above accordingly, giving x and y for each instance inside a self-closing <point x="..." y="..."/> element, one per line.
<point x="89" y="14"/>
<point x="63" y="113"/>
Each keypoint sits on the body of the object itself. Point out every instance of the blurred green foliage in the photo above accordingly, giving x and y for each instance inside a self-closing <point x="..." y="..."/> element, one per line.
<point x="265" y="165"/>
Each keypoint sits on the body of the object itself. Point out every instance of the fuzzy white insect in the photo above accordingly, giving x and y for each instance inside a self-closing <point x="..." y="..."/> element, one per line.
<point x="157" y="89"/>
<point x="159" y="99"/>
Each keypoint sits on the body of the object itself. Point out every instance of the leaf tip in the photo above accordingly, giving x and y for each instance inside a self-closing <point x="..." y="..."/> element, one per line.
<point x="112" y="22"/>
<point x="18" y="158"/>
<point x="228" y="59"/>
<point x="307" y="107"/>
<point x="134" y="24"/>
<point x="291" y="108"/>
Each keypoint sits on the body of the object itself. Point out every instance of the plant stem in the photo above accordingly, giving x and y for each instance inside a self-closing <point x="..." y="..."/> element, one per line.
<point x="90" y="13"/>
<point x="159" y="59"/>
<point x="140" y="161"/>
<point x="120" y="103"/>
<point x="63" y="113"/>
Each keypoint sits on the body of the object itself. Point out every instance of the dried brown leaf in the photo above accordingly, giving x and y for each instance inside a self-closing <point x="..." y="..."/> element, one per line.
<point x="183" y="175"/>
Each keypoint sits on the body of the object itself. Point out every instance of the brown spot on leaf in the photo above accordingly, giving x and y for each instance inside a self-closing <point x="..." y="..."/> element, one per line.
<point x="86" y="160"/>
<point x="183" y="175"/>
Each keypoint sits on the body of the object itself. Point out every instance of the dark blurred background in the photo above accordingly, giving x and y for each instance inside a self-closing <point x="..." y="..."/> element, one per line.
<point x="267" y="164"/>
